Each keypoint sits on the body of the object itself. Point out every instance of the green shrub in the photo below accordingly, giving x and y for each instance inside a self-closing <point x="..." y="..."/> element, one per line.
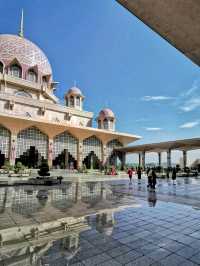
<point x="19" y="167"/>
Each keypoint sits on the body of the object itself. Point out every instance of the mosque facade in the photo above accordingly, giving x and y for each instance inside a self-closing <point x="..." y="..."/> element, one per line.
<point x="35" y="126"/>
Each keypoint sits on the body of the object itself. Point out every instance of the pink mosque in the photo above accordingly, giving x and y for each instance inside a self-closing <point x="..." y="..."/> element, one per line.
<point x="35" y="126"/>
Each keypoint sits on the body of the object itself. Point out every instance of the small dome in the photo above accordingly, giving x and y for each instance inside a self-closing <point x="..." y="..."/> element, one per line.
<point x="74" y="91"/>
<point x="106" y="113"/>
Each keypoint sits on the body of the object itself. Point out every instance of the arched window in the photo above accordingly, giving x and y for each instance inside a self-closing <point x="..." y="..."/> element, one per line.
<point x="1" y="67"/>
<point x="105" y="123"/>
<point x="71" y="101"/>
<point x="16" y="71"/>
<point x="77" y="101"/>
<point x="32" y="76"/>
<point x="44" y="81"/>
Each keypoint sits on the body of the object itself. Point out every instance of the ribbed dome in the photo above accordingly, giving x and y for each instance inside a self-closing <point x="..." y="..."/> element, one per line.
<point x="106" y="113"/>
<point x="27" y="53"/>
<point x="74" y="91"/>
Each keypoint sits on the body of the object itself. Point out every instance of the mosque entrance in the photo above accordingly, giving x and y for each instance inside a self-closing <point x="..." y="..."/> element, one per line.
<point x="65" y="161"/>
<point x="92" y="161"/>
<point x="31" y="158"/>
<point x="2" y="159"/>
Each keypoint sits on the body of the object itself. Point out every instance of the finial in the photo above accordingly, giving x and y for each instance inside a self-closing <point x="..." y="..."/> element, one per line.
<point x="74" y="83"/>
<point x="21" y="30"/>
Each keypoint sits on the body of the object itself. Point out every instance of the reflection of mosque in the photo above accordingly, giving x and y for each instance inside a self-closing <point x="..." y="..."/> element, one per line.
<point x="23" y="200"/>
<point x="58" y="246"/>
<point x="103" y="222"/>
<point x="64" y="244"/>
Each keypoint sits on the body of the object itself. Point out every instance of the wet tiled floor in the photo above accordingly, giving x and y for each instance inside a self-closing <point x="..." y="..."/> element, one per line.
<point x="155" y="231"/>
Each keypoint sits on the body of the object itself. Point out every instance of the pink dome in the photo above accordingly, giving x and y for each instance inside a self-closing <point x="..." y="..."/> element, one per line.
<point x="27" y="53"/>
<point x="74" y="91"/>
<point x="106" y="113"/>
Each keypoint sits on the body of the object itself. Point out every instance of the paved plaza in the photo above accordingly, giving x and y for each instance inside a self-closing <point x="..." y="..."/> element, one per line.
<point x="126" y="225"/>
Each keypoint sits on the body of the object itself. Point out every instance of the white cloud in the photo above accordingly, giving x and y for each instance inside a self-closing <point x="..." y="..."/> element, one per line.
<point x="191" y="104"/>
<point x="190" y="124"/>
<point x="153" y="128"/>
<point x="156" y="98"/>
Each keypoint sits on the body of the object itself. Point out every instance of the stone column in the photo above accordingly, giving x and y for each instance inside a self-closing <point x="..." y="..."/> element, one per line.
<point x="143" y="160"/>
<point x="169" y="164"/>
<point x="13" y="148"/>
<point x="104" y="154"/>
<point x="184" y="159"/>
<point x="50" y="152"/>
<point x="80" y="153"/>
<point x="159" y="159"/>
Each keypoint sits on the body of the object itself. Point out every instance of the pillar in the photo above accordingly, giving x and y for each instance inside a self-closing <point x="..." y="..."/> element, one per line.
<point x="169" y="164"/>
<point x="50" y="152"/>
<point x="143" y="160"/>
<point x="104" y="154"/>
<point x="123" y="160"/>
<point x="184" y="159"/>
<point x="159" y="159"/>
<point x="13" y="148"/>
<point x="139" y="159"/>
<point x="80" y="153"/>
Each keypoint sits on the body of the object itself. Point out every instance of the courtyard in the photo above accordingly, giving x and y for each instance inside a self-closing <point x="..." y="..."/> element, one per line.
<point x="123" y="223"/>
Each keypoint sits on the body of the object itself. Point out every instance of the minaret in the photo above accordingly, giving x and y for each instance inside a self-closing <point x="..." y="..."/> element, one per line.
<point x="21" y="30"/>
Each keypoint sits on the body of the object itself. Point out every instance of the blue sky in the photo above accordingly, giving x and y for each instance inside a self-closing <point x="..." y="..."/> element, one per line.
<point x="117" y="61"/>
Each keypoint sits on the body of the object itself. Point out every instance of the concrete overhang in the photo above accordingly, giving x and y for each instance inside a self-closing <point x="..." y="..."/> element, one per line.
<point x="16" y="123"/>
<point x="184" y="144"/>
<point x="177" y="21"/>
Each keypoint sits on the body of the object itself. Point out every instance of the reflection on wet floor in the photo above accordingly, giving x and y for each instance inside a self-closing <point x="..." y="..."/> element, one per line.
<point x="116" y="227"/>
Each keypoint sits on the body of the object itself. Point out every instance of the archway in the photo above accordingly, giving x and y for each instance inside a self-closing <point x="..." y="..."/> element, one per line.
<point x="31" y="158"/>
<point x="65" y="148"/>
<point x="91" y="161"/>
<point x="4" y="145"/>
<point x="92" y="152"/>
<point x="32" y="147"/>
<point x="112" y="154"/>
<point x="65" y="160"/>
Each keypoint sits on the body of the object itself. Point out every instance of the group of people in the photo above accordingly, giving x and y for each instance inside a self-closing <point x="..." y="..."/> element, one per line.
<point x="151" y="175"/>
<point x="131" y="171"/>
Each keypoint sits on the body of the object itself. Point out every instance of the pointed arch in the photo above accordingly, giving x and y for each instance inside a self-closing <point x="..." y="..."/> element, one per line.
<point x="92" y="144"/>
<point x="32" y="74"/>
<point x="15" y="68"/>
<point x="32" y="137"/>
<point x="65" y="147"/>
<point x="5" y="137"/>
<point x="112" y="155"/>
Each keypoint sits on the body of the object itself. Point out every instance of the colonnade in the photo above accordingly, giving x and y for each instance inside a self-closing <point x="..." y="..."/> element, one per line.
<point x="14" y="143"/>
<point x="142" y="157"/>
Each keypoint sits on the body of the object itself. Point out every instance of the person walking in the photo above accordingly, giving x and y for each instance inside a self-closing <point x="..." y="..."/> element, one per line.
<point x="154" y="177"/>
<point x="174" y="176"/>
<point x="130" y="174"/>
<point x="149" y="176"/>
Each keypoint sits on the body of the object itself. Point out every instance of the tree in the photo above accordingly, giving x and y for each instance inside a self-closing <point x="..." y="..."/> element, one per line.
<point x="44" y="169"/>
